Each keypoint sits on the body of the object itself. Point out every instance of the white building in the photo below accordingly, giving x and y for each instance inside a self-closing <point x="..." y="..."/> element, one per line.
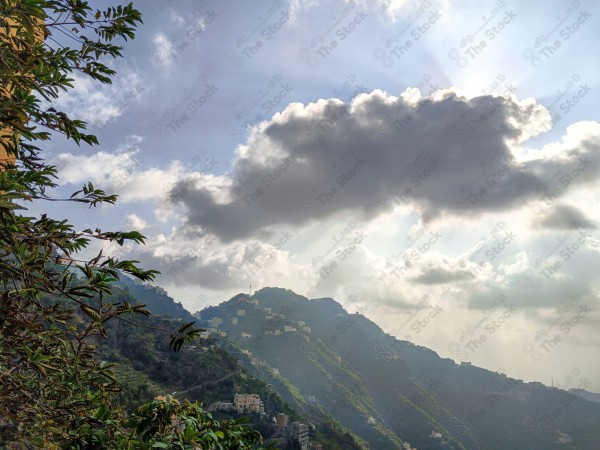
<point x="272" y="332"/>
<point x="241" y="312"/>
<point x="287" y="329"/>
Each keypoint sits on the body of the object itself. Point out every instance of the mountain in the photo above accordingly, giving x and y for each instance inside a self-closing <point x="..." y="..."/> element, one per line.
<point x="391" y="392"/>
<point x="155" y="298"/>
<point x="203" y="370"/>
<point x="591" y="396"/>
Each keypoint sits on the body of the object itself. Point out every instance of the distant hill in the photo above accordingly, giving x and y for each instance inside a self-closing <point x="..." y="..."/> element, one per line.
<point x="591" y="396"/>
<point x="203" y="370"/>
<point x="155" y="298"/>
<point x="392" y="392"/>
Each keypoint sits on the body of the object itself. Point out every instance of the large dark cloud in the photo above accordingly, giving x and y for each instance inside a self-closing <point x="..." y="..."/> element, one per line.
<point x="445" y="155"/>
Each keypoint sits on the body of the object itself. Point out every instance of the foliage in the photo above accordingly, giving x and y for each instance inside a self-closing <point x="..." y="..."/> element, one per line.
<point x="167" y="423"/>
<point x="54" y="390"/>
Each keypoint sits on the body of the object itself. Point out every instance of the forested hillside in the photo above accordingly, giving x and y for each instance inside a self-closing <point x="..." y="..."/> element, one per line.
<point x="387" y="390"/>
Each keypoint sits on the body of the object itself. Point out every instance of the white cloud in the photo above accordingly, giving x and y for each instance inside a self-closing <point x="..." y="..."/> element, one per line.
<point x="122" y="172"/>
<point x="176" y="18"/>
<point x="163" y="52"/>
<point x="135" y="222"/>
<point x="97" y="103"/>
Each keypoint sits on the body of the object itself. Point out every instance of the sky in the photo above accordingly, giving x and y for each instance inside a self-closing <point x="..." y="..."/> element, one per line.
<point x="432" y="165"/>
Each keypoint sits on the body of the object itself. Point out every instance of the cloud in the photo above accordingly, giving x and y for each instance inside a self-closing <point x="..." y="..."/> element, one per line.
<point x="565" y="217"/>
<point x="176" y="18"/>
<point x="442" y="155"/>
<point x="121" y="172"/>
<point x="395" y="8"/>
<point x="97" y="103"/>
<point x="163" y="52"/>
<point x="188" y="259"/>
<point x="135" y="222"/>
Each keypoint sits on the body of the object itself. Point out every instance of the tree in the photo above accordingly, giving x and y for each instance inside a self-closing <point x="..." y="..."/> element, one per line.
<point x="167" y="423"/>
<point x="54" y="391"/>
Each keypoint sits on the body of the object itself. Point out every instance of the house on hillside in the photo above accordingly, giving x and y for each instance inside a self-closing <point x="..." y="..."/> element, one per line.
<point x="248" y="403"/>
<point x="272" y="332"/>
<point x="299" y="432"/>
<point x="215" y="322"/>
<point x="282" y="420"/>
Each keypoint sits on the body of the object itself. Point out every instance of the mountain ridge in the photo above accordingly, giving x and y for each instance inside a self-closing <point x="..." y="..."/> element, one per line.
<point x="345" y="364"/>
